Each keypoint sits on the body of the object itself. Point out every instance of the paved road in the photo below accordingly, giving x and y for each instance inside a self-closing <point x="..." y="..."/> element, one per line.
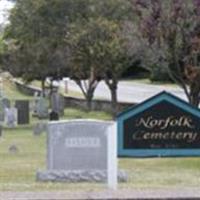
<point x="131" y="91"/>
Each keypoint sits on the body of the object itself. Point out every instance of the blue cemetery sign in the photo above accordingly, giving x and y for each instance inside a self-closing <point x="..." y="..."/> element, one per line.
<point x="163" y="125"/>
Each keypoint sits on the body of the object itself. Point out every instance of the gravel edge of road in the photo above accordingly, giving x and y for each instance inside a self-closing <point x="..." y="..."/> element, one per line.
<point x="184" y="193"/>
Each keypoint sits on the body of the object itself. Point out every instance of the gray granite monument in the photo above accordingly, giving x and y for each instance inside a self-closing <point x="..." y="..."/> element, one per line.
<point x="2" y="111"/>
<point x="57" y="103"/>
<point x="79" y="151"/>
<point x="42" y="108"/>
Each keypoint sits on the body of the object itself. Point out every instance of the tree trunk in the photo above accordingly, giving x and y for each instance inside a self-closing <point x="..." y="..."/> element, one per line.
<point x="89" y="103"/>
<point x="195" y="100"/>
<point x="89" y="96"/>
<point x="112" y="85"/>
<point x="88" y="89"/>
<point x="194" y="94"/>
<point x="114" y="100"/>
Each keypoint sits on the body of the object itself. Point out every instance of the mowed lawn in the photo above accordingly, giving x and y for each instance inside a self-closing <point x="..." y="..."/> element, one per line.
<point x="18" y="170"/>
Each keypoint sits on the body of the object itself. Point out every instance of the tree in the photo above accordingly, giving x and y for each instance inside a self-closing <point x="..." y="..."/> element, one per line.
<point x="114" y="58"/>
<point x="114" y="53"/>
<point x="84" y="32"/>
<point x="169" y="29"/>
<point x="30" y="41"/>
<point x="34" y="38"/>
<point x="97" y="53"/>
<point x="84" y="43"/>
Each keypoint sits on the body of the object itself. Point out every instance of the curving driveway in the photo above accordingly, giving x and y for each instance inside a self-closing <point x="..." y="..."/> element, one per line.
<point x="132" y="92"/>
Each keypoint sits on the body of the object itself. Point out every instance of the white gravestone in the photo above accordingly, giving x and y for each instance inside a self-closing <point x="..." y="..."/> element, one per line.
<point x="11" y="117"/>
<point x="82" y="150"/>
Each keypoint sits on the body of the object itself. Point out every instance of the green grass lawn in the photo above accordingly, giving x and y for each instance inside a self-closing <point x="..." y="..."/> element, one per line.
<point x="148" y="81"/>
<point x="10" y="91"/>
<point x="18" y="170"/>
<point x="162" y="172"/>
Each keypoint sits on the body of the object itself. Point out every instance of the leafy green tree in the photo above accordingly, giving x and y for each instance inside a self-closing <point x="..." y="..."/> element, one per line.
<point x="114" y="58"/>
<point x="34" y="39"/>
<point x="51" y="38"/>
<point x="84" y="43"/>
<point x="97" y="53"/>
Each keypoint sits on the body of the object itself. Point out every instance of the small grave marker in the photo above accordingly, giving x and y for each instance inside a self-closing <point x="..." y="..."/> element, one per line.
<point x="39" y="128"/>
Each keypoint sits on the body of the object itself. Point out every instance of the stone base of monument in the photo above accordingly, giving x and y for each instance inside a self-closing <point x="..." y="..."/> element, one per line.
<point x="78" y="176"/>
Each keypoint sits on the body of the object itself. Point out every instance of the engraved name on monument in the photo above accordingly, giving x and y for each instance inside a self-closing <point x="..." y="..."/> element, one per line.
<point x="75" y="146"/>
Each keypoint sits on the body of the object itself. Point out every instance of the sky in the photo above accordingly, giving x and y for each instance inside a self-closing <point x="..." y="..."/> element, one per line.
<point x="5" y="5"/>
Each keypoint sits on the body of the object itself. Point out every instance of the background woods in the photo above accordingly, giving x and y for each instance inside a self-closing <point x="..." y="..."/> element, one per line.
<point x="92" y="41"/>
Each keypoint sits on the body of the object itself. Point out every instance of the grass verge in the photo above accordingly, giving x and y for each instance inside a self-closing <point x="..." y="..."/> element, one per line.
<point x="18" y="170"/>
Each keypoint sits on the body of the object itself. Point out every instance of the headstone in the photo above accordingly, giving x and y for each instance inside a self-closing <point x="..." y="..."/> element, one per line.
<point x="53" y="116"/>
<point x="42" y="108"/>
<point x="0" y="131"/>
<point x="39" y="128"/>
<point x="163" y="125"/>
<point x="6" y="103"/>
<point x="23" y="111"/>
<point x="13" y="149"/>
<point x="11" y="117"/>
<point x="57" y="103"/>
<point x="81" y="150"/>
<point x="2" y="111"/>
<point x="1" y="86"/>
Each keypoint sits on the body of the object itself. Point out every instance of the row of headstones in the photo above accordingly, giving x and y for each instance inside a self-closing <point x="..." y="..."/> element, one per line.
<point x="12" y="115"/>
<point x="41" y="106"/>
